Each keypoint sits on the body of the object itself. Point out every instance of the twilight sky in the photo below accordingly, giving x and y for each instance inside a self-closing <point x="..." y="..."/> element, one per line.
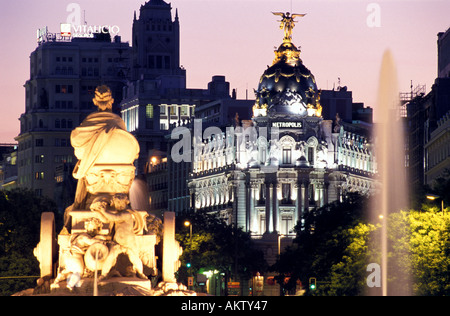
<point x="339" y="39"/>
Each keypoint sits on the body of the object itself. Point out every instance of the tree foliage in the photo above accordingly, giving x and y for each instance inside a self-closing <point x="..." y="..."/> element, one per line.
<point x="327" y="247"/>
<point x="20" y="217"/>
<point x="215" y="245"/>
<point x="337" y="243"/>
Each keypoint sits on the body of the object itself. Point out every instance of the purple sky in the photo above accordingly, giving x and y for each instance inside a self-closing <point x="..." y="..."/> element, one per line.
<point x="236" y="38"/>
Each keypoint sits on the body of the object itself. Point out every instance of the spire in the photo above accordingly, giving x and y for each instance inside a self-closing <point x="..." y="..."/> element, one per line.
<point x="134" y="15"/>
<point x="176" y="15"/>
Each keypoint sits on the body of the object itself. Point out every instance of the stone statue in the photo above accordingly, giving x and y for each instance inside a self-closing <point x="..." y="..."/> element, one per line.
<point x="287" y="23"/>
<point x="100" y="228"/>
<point x="124" y="236"/>
<point x="73" y="261"/>
<point x="105" y="152"/>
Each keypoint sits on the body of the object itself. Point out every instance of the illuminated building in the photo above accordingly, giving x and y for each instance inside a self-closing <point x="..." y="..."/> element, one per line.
<point x="437" y="151"/>
<point x="425" y="114"/>
<point x="64" y="73"/>
<point x="263" y="174"/>
<point x="8" y="166"/>
<point x="156" y="99"/>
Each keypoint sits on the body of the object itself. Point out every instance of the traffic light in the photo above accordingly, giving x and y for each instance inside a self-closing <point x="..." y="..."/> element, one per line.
<point x="188" y="264"/>
<point x="312" y="284"/>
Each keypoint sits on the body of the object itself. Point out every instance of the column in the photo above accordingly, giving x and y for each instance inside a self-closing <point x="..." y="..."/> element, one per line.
<point x="268" y="207"/>
<point x="248" y="208"/>
<point x="253" y="211"/>
<point x="275" y="212"/>
<point x="325" y="192"/>
<point x="320" y="193"/>
<point x="298" y="202"/>
<point x="240" y="203"/>
<point x="306" y="196"/>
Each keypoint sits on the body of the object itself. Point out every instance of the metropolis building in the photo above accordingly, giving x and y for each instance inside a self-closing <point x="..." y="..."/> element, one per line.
<point x="263" y="174"/>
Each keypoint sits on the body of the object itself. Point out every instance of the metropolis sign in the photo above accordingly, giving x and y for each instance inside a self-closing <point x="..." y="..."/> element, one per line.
<point x="287" y="124"/>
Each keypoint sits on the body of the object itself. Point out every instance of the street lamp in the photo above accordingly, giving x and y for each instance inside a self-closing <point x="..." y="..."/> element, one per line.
<point x="433" y="197"/>
<point x="188" y="224"/>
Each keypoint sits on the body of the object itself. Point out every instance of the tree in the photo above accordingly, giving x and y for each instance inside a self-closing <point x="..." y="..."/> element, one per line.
<point x="328" y="247"/>
<point x="20" y="217"/>
<point x="215" y="245"/>
<point x="337" y="243"/>
<point x="430" y="246"/>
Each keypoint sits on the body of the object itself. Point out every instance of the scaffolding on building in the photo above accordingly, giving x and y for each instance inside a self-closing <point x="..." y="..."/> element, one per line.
<point x="406" y="97"/>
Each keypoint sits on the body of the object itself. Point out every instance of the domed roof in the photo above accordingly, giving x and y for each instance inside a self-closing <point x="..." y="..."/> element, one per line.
<point x="287" y="87"/>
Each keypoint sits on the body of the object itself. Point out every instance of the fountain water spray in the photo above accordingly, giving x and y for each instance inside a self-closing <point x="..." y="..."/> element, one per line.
<point x="390" y="153"/>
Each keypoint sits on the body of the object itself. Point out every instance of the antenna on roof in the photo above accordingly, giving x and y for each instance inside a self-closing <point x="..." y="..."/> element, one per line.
<point x="84" y="17"/>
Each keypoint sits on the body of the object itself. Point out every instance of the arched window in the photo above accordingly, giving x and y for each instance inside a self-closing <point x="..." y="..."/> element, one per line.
<point x="262" y="150"/>
<point x="288" y="145"/>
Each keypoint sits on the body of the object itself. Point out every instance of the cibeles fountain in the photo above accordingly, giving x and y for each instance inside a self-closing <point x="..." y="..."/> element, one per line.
<point x="105" y="246"/>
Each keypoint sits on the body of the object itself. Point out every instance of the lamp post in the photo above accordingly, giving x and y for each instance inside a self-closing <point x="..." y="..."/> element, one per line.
<point x="433" y="197"/>
<point x="188" y="224"/>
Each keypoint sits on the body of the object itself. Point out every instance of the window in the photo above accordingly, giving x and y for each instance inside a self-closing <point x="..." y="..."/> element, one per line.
<point x="311" y="155"/>
<point x="262" y="224"/>
<point x="39" y="175"/>
<point x="262" y="155"/>
<point x="149" y="111"/>
<point x="286" y="224"/>
<point x="63" y="89"/>
<point x="262" y="191"/>
<point x="167" y="62"/>
<point x="39" y="142"/>
<point x="162" y="110"/>
<point x="57" y="123"/>
<point x="286" y="191"/>
<point x="39" y="159"/>
<point x="286" y="156"/>
<point x="159" y="62"/>
<point x="151" y="61"/>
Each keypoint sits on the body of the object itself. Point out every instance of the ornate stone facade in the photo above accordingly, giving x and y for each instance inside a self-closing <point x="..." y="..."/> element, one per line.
<point x="263" y="174"/>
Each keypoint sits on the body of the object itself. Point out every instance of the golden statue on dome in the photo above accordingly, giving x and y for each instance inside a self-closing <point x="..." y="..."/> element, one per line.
<point x="287" y="23"/>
